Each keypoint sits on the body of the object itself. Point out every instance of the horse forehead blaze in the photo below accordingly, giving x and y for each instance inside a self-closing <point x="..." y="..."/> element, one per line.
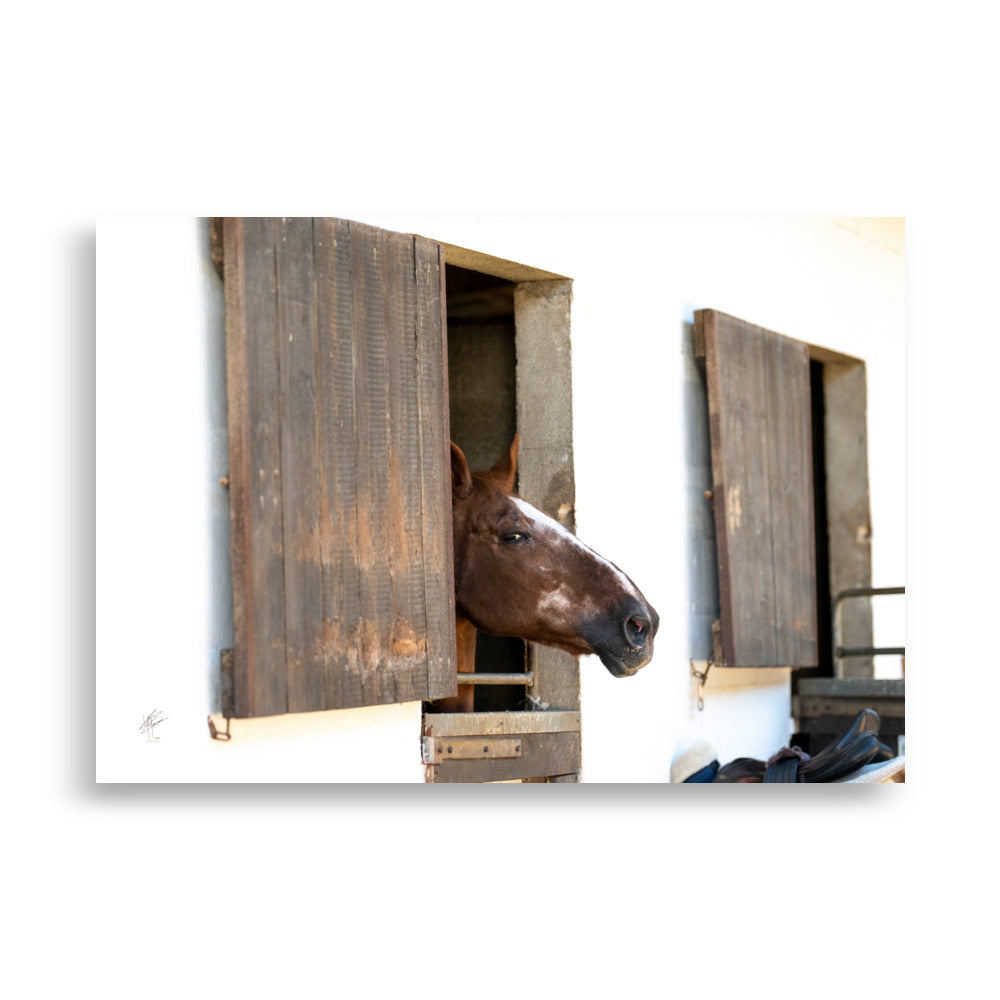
<point x="558" y="533"/>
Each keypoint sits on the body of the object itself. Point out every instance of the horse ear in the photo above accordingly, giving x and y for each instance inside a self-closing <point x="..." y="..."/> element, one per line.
<point x="507" y="465"/>
<point x="461" y="478"/>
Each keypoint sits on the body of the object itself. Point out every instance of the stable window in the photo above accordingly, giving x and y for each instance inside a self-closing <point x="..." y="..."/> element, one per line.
<point x="789" y="493"/>
<point x="789" y="458"/>
<point x="509" y="368"/>
<point x="339" y="362"/>
<point x="760" y="423"/>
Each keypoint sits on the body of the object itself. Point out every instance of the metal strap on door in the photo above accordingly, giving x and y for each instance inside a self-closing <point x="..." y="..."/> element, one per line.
<point x="840" y="651"/>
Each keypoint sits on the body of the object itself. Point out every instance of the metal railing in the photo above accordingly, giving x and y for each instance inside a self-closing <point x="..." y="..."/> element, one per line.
<point x="840" y="651"/>
<point x="527" y="678"/>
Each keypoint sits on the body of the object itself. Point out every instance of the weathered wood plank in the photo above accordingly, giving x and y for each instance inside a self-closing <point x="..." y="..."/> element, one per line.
<point x="338" y="439"/>
<point x="408" y="622"/>
<point x="845" y="394"/>
<point x="545" y="460"/>
<point x="300" y="464"/>
<point x="853" y="687"/>
<point x="500" y="723"/>
<point x="244" y="661"/>
<point x="372" y="395"/>
<point x="268" y="692"/>
<point x="790" y="492"/>
<point x="737" y="424"/>
<point x="435" y="482"/>
<point x="816" y="706"/>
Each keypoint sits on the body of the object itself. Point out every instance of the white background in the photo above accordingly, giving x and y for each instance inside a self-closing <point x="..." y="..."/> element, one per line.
<point x="863" y="109"/>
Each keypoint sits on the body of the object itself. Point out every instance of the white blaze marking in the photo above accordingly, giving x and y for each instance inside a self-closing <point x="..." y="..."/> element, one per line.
<point x="539" y="519"/>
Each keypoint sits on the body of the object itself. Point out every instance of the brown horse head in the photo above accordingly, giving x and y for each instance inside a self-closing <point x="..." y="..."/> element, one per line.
<point x="518" y="572"/>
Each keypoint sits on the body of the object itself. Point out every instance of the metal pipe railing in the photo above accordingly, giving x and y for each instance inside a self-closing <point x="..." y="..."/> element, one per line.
<point x="527" y="679"/>
<point x="841" y="651"/>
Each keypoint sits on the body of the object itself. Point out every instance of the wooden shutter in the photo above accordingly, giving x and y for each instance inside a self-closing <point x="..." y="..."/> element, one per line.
<point x="339" y="488"/>
<point x="760" y="426"/>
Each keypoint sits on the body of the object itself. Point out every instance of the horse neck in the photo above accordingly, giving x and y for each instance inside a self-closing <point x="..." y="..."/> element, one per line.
<point x="465" y="640"/>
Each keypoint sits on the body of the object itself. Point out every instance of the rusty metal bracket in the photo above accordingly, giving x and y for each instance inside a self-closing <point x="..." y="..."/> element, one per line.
<point x="716" y="656"/>
<point x="436" y="749"/>
<point x="701" y="676"/>
<point x="216" y="734"/>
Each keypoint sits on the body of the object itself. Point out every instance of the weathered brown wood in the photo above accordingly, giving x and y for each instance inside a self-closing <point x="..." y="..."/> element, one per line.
<point x="545" y="473"/>
<point x="790" y="491"/>
<point x="500" y="723"/>
<point x="300" y="465"/>
<point x="816" y="706"/>
<point x="371" y="375"/>
<point x="268" y="692"/>
<point x="435" y="460"/>
<point x="844" y="697"/>
<point x="338" y="467"/>
<point x="239" y="466"/>
<point x="845" y="394"/>
<point x="338" y="440"/>
<point x="408" y="618"/>
<point x="735" y="437"/>
<point x="227" y="706"/>
<point x="853" y="687"/>
<point x="216" y="243"/>
<point x="759" y="419"/>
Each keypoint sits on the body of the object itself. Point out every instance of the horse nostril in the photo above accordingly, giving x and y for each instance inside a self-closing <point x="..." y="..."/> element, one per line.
<point x="636" y="629"/>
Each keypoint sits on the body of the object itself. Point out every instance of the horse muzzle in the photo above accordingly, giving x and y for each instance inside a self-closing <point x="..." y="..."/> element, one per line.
<point x="624" y="640"/>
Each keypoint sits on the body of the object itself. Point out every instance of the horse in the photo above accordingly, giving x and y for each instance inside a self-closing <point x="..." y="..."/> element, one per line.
<point x="520" y="573"/>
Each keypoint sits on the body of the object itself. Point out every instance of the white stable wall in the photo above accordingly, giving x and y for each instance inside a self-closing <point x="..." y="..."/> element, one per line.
<point x="164" y="600"/>
<point x="162" y="532"/>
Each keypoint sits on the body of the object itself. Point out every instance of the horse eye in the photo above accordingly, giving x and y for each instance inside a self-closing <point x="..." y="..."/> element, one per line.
<point x="513" y="537"/>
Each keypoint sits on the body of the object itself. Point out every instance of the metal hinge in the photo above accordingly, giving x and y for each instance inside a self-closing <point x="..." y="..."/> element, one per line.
<point x="435" y="749"/>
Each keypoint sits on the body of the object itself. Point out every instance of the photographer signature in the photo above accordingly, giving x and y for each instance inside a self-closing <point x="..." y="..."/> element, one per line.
<point x="149" y="724"/>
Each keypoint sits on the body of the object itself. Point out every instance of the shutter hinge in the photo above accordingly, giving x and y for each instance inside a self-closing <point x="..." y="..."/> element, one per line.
<point x="218" y="734"/>
<point x="226" y="696"/>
